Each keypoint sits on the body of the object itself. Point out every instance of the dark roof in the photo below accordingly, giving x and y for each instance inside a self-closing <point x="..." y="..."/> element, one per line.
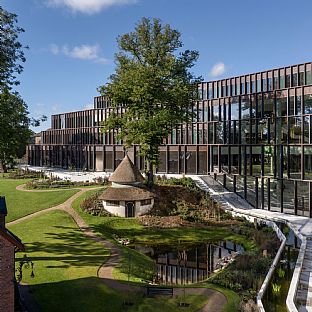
<point x="3" y="208"/>
<point x="13" y="239"/>
<point x="126" y="172"/>
<point x="126" y="193"/>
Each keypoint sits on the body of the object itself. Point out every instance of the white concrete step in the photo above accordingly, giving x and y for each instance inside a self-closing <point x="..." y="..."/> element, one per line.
<point x="304" y="309"/>
<point x="304" y="297"/>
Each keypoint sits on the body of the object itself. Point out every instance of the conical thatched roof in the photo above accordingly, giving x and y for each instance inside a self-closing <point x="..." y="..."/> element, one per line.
<point x="126" y="173"/>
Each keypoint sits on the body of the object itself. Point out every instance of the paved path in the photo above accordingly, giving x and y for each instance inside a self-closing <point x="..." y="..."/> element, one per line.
<point x="216" y="299"/>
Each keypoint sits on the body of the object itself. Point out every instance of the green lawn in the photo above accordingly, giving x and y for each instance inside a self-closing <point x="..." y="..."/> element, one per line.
<point x="138" y="234"/>
<point x="66" y="264"/>
<point x="20" y="203"/>
<point x="129" y="227"/>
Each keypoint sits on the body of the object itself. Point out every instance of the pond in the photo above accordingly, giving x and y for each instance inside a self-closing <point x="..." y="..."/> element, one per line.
<point x="274" y="299"/>
<point x="186" y="264"/>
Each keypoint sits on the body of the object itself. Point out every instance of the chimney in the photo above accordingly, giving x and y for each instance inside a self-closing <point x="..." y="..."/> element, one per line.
<point x="3" y="211"/>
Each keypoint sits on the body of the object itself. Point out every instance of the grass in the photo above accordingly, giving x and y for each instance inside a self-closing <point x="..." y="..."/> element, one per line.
<point x="66" y="264"/>
<point x="20" y="203"/>
<point x="128" y="227"/>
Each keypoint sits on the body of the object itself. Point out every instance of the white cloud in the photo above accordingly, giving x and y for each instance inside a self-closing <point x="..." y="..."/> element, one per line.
<point x="218" y="69"/>
<point x="87" y="6"/>
<point x="82" y="52"/>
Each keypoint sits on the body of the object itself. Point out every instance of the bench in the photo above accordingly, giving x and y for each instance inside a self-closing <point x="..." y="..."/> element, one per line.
<point x="152" y="291"/>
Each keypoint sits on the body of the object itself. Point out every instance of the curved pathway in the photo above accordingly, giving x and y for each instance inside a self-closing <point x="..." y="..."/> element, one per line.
<point x="216" y="300"/>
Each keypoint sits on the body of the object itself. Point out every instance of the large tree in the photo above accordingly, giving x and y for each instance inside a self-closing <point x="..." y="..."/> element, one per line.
<point x="11" y="50"/>
<point x="154" y="83"/>
<point x="14" y="128"/>
<point x="14" y="117"/>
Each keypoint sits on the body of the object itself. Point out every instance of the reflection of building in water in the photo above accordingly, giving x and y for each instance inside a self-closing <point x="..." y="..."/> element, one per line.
<point x="186" y="266"/>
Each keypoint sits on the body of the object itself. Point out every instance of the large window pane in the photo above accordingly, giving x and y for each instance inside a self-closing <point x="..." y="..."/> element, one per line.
<point x="303" y="198"/>
<point x="295" y="132"/>
<point x="245" y="107"/>
<point x="308" y="163"/>
<point x="307" y="129"/>
<point x="268" y="104"/>
<point x="224" y="159"/>
<point x="281" y="103"/>
<point x="173" y="160"/>
<point x="308" y="77"/>
<point x="295" y="162"/>
<point x="307" y="100"/>
<point x="235" y="108"/>
<point x="268" y="161"/>
<point x="202" y="160"/>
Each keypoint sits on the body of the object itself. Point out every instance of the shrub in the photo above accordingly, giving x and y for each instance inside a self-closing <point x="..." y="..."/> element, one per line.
<point x="94" y="206"/>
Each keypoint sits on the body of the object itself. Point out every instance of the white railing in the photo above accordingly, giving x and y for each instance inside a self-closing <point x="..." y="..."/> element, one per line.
<point x="290" y="301"/>
<point x="291" y="296"/>
<point x="268" y="277"/>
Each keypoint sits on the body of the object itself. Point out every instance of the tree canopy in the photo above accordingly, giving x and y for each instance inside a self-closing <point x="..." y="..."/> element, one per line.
<point x="14" y="125"/>
<point x="14" y="116"/>
<point x="11" y="50"/>
<point x="154" y="83"/>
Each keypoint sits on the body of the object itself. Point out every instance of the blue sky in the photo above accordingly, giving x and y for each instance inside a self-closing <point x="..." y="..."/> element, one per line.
<point x="72" y="42"/>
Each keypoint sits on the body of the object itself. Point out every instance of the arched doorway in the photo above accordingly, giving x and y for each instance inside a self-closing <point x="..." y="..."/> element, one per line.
<point x="130" y="209"/>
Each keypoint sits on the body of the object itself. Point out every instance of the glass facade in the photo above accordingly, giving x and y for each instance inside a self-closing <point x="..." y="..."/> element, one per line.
<point x="252" y="133"/>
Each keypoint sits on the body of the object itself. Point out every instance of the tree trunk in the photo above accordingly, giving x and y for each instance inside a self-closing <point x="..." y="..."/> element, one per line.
<point x="150" y="176"/>
<point x="3" y="167"/>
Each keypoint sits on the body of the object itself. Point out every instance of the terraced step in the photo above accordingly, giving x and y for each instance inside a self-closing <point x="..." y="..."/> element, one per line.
<point x="304" y="309"/>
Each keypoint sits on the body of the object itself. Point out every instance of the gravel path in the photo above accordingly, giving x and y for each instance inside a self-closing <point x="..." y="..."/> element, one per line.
<point x="216" y="300"/>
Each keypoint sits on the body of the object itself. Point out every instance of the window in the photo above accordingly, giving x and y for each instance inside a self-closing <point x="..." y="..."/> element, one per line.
<point x="295" y="162"/>
<point x="62" y="121"/>
<point x="247" y="87"/>
<point x="243" y="88"/>
<point x="235" y="108"/>
<point x="301" y="78"/>
<point x="287" y="82"/>
<point x="270" y="84"/>
<point x="210" y="93"/>
<point x="258" y="85"/>
<point x="308" y="77"/>
<point x="308" y="100"/>
<point x="294" y="79"/>
<point x="237" y="88"/>
<point x="245" y="107"/>
<point x="264" y="85"/>
<point x="268" y="104"/>
<point x="112" y="203"/>
<point x="215" y="112"/>
<point x="253" y="86"/>
<point x="204" y="94"/>
<point x="282" y="82"/>
<point x="145" y="202"/>
<point x="276" y="84"/>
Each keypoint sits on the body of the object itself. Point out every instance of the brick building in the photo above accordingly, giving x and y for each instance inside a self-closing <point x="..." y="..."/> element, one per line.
<point x="9" y="244"/>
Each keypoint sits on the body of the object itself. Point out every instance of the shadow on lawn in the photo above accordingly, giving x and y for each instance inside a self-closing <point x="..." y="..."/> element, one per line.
<point x="83" y="295"/>
<point x="67" y="245"/>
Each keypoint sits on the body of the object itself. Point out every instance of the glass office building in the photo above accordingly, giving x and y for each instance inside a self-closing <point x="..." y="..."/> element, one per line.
<point x="251" y="132"/>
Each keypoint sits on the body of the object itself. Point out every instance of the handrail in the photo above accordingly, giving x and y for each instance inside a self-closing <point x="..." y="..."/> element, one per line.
<point x="290" y="300"/>
<point x="268" y="277"/>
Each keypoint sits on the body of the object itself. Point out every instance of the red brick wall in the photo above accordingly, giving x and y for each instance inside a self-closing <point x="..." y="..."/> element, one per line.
<point x="6" y="276"/>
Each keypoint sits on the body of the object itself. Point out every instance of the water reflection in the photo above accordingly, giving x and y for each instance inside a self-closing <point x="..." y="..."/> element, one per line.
<point x="178" y="265"/>
<point x="274" y="299"/>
